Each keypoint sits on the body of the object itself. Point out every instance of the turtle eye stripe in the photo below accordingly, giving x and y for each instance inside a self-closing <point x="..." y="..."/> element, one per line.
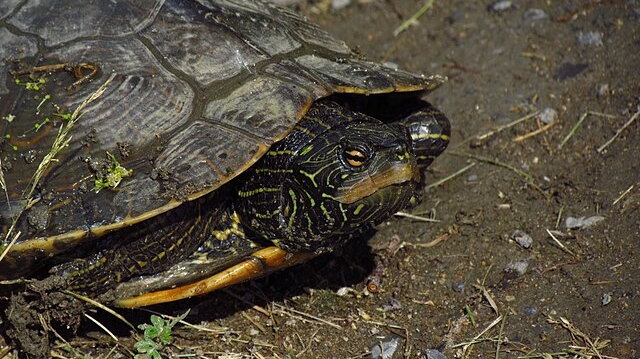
<point x="355" y="157"/>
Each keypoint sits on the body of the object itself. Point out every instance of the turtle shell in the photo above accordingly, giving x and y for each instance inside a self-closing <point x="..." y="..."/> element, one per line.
<point x="198" y="91"/>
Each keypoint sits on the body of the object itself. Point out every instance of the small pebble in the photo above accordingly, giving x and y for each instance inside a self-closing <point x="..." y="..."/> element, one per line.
<point x="519" y="267"/>
<point x="343" y="291"/>
<point x="458" y="286"/>
<point x="393" y="304"/>
<point x="384" y="350"/>
<point x="603" y="90"/>
<point x="522" y="238"/>
<point x="606" y="299"/>
<point x="500" y="6"/>
<point x="339" y="4"/>
<point x="433" y="354"/>
<point x="582" y="222"/>
<point x="535" y="15"/>
<point x="530" y="311"/>
<point x="590" y="38"/>
<point x="548" y="115"/>
<point x="472" y="178"/>
<point x="569" y="70"/>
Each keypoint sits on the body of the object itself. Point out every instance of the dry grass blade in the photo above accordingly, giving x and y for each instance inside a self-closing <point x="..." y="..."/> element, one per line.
<point x="466" y="345"/>
<point x="254" y="306"/>
<point x="417" y="218"/>
<point x="96" y="322"/>
<point x="575" y="127"/>
<point x="45" y="325"/>
<point x="508" y="125"/>
<point x="536" y="132"/>
<point x="559" y="244"/>
<point x="413" y="18"/>
<point x="449" y="177"/>
<point x="11" y="243"/>
<point x="619" y="131"/>
<point x="501" y="332"/>
<point x="303" y="316"/>
<point x="623" y="195"/>
<point x="582" y="345"/>
<point x="433" y="243"/>
<point x="492" y="161"/>
<point x="254" y="322"/>
<point x="64" y="137"/>
<point x="101" y="306"/>
<point x="527" y="176"/>
<point x="3" y="184"/>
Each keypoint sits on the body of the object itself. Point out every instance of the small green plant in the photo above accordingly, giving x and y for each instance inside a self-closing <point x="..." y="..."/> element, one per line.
<point x="156" y="336"/>
<point x="32" y="85"/>
<point x="115" y="173"/>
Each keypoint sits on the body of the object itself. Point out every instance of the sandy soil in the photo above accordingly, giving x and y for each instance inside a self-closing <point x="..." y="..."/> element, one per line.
<point x="508" y="279"/>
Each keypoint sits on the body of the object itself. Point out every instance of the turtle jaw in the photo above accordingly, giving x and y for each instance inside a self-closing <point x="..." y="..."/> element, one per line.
<point x="394" y="174"/>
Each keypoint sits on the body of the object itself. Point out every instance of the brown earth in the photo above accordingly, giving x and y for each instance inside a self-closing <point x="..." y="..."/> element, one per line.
<point x="573" y="59"/>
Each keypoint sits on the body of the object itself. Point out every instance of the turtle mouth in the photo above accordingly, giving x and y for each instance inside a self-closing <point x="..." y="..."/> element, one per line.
<point x="395" y="174"/>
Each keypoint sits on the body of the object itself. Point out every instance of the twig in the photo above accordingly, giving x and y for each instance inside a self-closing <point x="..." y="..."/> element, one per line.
<point x="619" y="131"/>
<point x="433" y="243"/>
<point x="413" y="18"/>
<point x="534" y="133"/>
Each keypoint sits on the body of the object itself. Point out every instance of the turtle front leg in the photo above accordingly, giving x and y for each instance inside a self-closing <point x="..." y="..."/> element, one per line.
<point x="258" y="264"/>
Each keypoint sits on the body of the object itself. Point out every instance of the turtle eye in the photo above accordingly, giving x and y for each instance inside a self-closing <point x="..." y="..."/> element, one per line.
<point x="354" y="157"/>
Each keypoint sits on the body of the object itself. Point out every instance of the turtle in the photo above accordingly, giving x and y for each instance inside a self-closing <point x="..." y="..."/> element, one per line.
<point x="160" y="149"/>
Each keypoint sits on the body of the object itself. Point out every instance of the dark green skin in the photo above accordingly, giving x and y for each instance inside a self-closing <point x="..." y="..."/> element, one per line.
<point x="277" y="201"/>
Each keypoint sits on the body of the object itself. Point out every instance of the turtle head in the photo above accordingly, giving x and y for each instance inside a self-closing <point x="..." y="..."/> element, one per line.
<point x="335" y="175"/>
<point x="357" y="175"/>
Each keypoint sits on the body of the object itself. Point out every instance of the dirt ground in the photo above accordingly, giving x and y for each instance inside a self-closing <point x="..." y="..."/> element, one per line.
<point x="508" y="278"/>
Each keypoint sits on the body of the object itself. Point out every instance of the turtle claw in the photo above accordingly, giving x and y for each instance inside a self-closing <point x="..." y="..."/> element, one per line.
<point x="260" y="263"/>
